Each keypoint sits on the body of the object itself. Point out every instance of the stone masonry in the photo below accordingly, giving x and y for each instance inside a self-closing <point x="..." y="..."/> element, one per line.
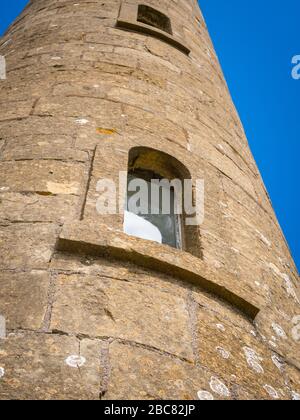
<point x="90" y="312"/>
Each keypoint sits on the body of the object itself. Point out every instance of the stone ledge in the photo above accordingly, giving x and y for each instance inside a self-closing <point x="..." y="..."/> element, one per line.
<point x="87" y="238"/>
<point x="128" y="20"/>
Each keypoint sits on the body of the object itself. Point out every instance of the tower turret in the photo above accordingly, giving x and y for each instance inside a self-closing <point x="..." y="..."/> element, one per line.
<point x="112" y="304"/>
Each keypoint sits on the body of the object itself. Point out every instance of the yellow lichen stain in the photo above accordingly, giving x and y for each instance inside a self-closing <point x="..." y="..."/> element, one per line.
<point x="106" y="131"/>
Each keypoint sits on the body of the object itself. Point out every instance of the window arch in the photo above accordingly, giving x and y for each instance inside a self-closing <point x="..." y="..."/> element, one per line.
<point x="154" y="201"/>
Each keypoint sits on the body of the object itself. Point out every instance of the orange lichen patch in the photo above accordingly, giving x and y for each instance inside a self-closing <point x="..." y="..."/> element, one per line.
<point x="106" y="131"/>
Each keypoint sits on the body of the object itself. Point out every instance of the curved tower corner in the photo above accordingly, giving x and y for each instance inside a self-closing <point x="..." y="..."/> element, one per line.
<point x="91" y="312"/>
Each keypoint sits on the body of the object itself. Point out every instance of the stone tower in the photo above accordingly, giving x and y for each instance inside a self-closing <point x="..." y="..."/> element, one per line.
<point x="93" y="88"/>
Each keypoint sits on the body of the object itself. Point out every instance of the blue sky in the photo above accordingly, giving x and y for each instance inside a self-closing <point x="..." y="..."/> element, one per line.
<point x="255" y="41"/>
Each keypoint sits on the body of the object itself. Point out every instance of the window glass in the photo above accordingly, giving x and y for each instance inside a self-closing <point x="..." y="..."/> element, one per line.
<point x="150" y="211"/>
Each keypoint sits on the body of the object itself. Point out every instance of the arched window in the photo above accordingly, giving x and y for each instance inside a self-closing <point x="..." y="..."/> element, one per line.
<point x="144" y="19"/>
<point x="154" y="202"/>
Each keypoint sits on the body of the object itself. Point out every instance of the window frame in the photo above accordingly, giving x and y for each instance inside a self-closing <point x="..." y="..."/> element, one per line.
<point x="148" y="176"/>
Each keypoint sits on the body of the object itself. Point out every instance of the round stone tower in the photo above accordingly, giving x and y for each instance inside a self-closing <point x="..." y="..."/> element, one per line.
<point x="95" y="90"/>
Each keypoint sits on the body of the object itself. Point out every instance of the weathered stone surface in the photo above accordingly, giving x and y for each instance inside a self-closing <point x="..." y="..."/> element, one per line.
<point x="41" y="176"/>
<point x="237" y="354"/>
<point x="36" y="207"/>
<point x="32" y="244"/>
<point x="24" y="299"/>
<point x="74" y="238"/>
<point x="17" y="109"/>
<point x="138" y="373"/>
<point x="39" y="367"/>
<point x="43" y="150"/>
<point x="100" y="307"/>
<point x="107" y="268"/>
<point x="37" y="129"/>
<point x="294" y="381"/>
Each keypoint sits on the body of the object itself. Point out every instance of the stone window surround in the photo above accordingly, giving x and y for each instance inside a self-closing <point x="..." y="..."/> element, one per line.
<point x="82" y="238"/>
<point x="103" y="235"/>
<point x="128" y="20"/>
<point x="165" y="164"/>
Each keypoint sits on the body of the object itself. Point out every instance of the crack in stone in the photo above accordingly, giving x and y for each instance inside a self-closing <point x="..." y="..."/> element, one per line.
<point x="50" y="301"/>
<point x="88" y="183"/>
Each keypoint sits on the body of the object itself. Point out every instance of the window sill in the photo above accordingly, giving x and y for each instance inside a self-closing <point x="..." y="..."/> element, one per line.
<point x="82" y="238"/>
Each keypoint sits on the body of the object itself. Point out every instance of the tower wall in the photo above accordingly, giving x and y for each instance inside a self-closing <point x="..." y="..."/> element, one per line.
<point x="90" y="312"/>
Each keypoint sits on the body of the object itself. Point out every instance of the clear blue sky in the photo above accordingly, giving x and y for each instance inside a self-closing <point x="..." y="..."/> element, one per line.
<point x="255" y="41"/>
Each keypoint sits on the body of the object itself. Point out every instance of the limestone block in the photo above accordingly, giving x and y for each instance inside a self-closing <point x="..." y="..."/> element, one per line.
<point x="137" y="373"/>
<point x="282" y="331"/>
<point x="98" y="307"/>
<point x="44" y="147"/>
<point x="33" y="245"/>
<point x="49" y="367"/>
<point x="107" y="268"/>
<point x="34" y="127"/>
<point x="294" y="381"/>
<point x="48" y="177"/>
<point x="75" y="107"/>
<point x="14" y="110"/>
<point x="24" y="299"/>
<point x="82" y="239"/>
<point x="30" y="207"/>
<point x="237" y="354"/>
